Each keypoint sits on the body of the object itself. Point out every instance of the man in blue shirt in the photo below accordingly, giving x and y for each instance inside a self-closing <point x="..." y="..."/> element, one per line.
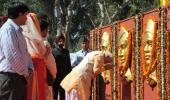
<point x="78" y="56"/>
<point x="15" y="61"/>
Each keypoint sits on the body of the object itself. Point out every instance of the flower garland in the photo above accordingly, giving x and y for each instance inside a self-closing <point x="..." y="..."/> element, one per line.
<point x="91" y="46"/>
<point x="118" y="72"/>
<point x="158" y="67"/>
<point x="141" y="58"/>
<point x="136" y="60"/>
<point x="167" y="14"/>
<point x="115" y="54"/>
<point x="91" y="35"/>
<point x="168" y="62"/>
<point x="163" y="65"/>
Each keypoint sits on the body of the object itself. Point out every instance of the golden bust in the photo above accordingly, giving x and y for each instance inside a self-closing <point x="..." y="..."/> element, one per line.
<point x="149" y="50"/>
<point x="105" y="41"/>
<point x="106" y="46"/>
<point x="148" y="40"/>
<point x="123" y="45"/>
<point x="124" y="51"/>
<point x="164" y="2"/>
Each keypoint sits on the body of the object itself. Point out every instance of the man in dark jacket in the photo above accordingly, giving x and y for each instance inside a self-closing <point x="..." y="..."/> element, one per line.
<point x="63" y="63"/>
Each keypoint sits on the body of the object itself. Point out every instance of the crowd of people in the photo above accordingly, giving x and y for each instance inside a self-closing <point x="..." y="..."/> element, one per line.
<point x="30" y="69"/>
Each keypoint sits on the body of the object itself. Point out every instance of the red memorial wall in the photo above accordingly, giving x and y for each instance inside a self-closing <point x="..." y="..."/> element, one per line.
<point x="142" y="57"/>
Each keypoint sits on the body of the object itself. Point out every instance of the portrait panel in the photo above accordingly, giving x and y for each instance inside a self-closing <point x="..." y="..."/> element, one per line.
<point x="124" y="53"/>
<point x="149" y="52"/>
<point x="125" y="29"/>
<point x="105" y="42"/>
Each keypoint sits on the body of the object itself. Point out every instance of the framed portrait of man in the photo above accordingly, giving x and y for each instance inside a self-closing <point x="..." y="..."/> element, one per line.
<point x="149" y="55"/>
<point x="125" y="30"/>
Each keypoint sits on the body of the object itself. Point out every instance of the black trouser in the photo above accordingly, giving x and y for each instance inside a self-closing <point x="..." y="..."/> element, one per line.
<point x="50" y="79"/>
<point x="12" y="86"/>
<point x="58" y="92"/>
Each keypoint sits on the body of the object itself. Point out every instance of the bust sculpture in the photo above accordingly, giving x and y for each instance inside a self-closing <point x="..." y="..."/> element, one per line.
<point x="124" y="52"/>
<point x="106" y="46"/>
<point x="150" y="54"/>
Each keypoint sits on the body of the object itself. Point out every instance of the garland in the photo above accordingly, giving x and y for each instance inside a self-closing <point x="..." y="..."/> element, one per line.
<point x="118" y="74"/>
<point x="115" y="76"/>
<point x="167" y="14"/>
<point x="92" y="47"/>
<point x="158" y="67"/>
<point x="168" y="62"/>
<point x="168" y="55"/>
<point x="97" y="85"/>
<point x="163" y="39"/>
<point x="137" y="59"/>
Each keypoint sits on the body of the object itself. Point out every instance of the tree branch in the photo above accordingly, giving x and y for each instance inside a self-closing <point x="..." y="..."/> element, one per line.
<point x="120" y="7"/>
<point x="106" y="11"/>
<point x="101" y="6"/>
<point x="68" y="21"/>
<point x="91" y="20"/>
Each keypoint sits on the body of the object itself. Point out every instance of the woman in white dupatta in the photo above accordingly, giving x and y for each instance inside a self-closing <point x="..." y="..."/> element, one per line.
<point x="37" y="86"/>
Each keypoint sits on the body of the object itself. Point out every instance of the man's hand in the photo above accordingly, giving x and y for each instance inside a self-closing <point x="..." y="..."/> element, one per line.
<point x="30" y="75"/>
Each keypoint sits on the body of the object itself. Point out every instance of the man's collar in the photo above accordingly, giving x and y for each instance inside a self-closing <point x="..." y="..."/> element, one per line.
<point x="17" y="27"/>
<point x="82" y="50"/>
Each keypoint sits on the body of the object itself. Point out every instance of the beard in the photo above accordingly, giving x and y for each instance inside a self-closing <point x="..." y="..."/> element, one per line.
<point x="61" y="46"/>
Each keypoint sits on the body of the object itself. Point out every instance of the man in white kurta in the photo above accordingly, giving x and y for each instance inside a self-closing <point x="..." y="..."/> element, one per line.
<point x="78" y="82"/>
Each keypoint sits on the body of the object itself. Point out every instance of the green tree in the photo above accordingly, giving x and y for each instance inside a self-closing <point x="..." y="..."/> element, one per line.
<point x="75" y="18"/>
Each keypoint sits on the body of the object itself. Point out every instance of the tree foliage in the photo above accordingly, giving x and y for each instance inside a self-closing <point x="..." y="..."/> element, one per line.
<point x="75" y="18"/>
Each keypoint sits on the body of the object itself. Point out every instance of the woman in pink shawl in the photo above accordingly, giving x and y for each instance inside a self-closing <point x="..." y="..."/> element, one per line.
<point x="37" y="87"/>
